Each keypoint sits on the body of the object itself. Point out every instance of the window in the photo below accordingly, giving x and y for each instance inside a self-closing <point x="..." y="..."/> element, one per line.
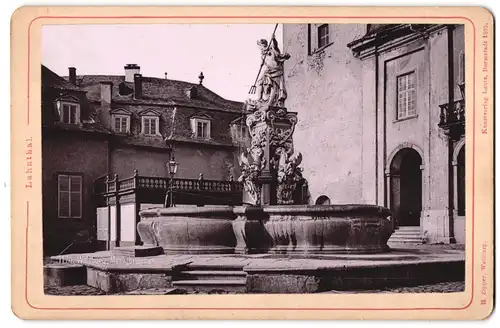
<point x="69" y="196"/>
<point x="406" y="96"/>
<point x="323" y="36"/>
<point x="318" y="37"/>
<point x="200" y="128"/>
<point x="150" y="125"/>
<point x="461" y="67"/>
<point x="70" y="113"/>
<point x="121" y="123"/>
<point x="239" y="132"/>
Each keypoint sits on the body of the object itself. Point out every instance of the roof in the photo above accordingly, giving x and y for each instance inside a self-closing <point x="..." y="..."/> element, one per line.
<point x="159" y="91"/>
<point x="51" y="79"/>
<point x="375" y="28"/>
<point x="84" y="127"/>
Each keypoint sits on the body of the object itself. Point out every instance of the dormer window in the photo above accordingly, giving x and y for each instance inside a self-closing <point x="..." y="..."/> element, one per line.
<point x="201" y="127"/>
<point x="121" y="124"/>
<point x="120" y="120"/>
<point x="150" y="122"/>
<point x="150" y="125"/>
<point x="69" y="110"/>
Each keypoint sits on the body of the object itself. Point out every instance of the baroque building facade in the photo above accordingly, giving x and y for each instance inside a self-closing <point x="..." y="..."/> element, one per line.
<point x="98" y="126"/>
<point x="384" y="107"/>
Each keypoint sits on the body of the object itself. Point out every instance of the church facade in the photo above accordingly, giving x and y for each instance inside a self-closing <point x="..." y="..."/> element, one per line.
<point x="381" y="112"/>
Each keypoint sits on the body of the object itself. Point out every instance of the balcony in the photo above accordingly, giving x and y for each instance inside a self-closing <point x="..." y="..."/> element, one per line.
<point x="452" y="119"/>
<point x="148" y="189"/>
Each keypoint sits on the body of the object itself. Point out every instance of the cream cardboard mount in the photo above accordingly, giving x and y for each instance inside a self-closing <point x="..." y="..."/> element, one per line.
<point x="349" y="193"/>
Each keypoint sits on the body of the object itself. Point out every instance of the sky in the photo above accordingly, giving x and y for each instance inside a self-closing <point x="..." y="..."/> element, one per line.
<point x="227" y="54"/>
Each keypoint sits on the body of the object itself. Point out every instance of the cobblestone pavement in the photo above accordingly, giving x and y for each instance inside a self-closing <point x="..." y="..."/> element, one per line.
<point x="73" y="290"/>
<point x="445" y="287"/>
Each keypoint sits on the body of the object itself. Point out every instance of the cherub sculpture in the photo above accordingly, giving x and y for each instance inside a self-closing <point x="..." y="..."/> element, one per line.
<point x="289" y="174"/>
<point x="251" y="167"/>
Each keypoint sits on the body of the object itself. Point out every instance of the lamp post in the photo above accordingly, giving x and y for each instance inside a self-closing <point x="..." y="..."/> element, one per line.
<point x="172" y="166"/>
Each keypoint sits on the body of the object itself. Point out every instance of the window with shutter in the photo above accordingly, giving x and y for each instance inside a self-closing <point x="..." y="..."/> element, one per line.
<point x="69" y="196"/>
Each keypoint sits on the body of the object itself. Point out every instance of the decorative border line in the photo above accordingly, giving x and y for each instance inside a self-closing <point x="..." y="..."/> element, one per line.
<point x="262" y="17"/>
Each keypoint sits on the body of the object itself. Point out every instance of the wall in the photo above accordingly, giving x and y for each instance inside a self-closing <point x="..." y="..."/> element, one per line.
<point x="437" y="224"/>
<point x="411" y="132"/>
<point x="326" y="91"/>
<point x="215" y="164"/>
<point x="348" y="131"/>
<point x="71" y="153"/>
<point x="147" y="162"/>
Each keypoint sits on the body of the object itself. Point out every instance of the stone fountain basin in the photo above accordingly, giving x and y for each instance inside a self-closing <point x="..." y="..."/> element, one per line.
<point x="279" y="229"/>
<point x="189" y="230"/>
<point x="328" y="228"/>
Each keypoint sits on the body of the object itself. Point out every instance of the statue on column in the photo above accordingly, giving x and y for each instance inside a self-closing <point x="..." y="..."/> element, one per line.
<point x="271" y="80"/>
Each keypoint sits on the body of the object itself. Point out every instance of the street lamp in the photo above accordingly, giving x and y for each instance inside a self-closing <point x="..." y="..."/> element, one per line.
<point x="172" y="166"/>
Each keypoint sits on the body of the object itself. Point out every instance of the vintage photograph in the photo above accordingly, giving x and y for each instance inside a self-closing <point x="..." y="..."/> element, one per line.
<point x="253" y="158"/>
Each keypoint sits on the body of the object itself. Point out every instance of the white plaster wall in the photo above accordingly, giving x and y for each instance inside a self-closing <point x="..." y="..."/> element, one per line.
<point x="102" y="223"/>
<point x="112" y="210"/>
<point x="127" y="226"/>
<point x="327" y="94"/>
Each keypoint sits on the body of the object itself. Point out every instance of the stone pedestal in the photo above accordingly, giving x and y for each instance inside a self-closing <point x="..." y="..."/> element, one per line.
<point x="271" y="130"/>
<point x="248" y="227"/>
<point x="138" y="251"/>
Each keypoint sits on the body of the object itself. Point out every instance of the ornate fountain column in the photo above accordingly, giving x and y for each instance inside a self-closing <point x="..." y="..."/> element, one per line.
<point x="270" y="169"/>
<point x="270" y="175"/>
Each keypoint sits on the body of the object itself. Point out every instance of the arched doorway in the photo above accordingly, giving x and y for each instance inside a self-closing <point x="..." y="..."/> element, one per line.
<point x="406" y="187"/>
<point x="323" y="200"/>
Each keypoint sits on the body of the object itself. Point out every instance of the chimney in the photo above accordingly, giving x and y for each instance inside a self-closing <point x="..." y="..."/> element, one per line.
<point x="130" y="71"/>
<point x="72" y="75"/>
<point x="137" y="86"/>
<point x="166" y="76"/>
<point x="106" y="93"/>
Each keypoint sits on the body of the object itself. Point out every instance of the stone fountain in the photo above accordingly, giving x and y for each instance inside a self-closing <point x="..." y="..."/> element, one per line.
<point x="273" y="220"/>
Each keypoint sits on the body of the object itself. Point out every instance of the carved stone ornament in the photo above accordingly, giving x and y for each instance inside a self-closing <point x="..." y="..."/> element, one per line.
<point x="289" y="174"/>
<point x="252" y="162"/>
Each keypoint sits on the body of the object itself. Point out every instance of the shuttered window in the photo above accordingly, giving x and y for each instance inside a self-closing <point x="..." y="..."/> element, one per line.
<point x="69" y="196"/>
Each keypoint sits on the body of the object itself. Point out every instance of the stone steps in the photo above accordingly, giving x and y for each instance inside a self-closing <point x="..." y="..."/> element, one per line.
<point x="212" y="275"/>
<point x="211" y="285"/>
<point x="405" y="240"/>
<point x="205" y="278"/>
<point x="155" y="291"/>
<point x="406" y="235"/>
